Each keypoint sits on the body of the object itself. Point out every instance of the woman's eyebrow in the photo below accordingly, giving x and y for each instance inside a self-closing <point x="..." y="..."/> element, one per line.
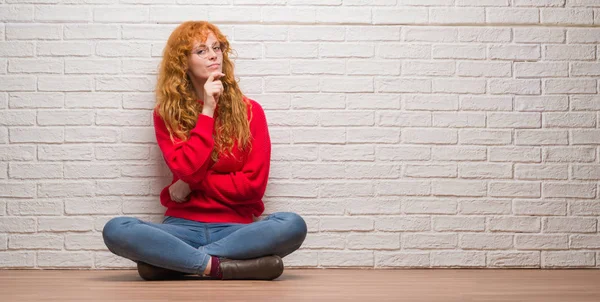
<point x="204" y="45"/>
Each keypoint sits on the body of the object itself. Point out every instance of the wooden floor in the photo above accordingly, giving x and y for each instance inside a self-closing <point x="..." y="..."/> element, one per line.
<point x="309" y="285"/>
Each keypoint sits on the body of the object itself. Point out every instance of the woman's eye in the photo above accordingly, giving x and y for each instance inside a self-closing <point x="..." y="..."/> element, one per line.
<point x="217" y="48"/>
<point x="201" y="51"/>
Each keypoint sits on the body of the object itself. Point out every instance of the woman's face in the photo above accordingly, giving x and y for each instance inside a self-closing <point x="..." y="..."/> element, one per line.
<point x="206" y="58"/>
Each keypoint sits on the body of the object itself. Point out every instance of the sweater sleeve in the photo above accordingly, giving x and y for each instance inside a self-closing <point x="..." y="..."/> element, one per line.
<point x="249" y="184"/>
<point x="187" y="160"/>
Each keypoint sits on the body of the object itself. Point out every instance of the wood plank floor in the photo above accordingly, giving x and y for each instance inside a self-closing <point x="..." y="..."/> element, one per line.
<point x="309" y="285"/>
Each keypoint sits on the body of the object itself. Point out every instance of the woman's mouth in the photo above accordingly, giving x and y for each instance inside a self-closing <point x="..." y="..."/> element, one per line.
<point x="216" y="65"/>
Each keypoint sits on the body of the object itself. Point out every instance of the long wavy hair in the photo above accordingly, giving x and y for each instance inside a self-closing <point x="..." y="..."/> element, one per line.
<point x="177" y="102"/>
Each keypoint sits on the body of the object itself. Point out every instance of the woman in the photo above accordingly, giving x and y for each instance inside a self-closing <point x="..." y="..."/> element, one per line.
<point x="216" y="143"/>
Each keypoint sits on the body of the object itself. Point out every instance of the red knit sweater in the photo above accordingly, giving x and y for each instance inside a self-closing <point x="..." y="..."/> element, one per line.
<point x="229" y="190"/>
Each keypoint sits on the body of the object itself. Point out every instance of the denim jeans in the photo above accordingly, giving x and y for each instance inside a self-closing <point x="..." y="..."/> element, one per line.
<point x="186" y="246"/>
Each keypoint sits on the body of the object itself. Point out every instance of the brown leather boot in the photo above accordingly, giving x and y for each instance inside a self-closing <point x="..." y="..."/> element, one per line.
<point x="150" y="272"/>
<point x="263" y="268"/>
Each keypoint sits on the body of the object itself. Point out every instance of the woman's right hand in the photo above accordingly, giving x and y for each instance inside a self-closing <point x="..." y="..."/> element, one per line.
<point x="179" y="191"/>
<point x="213" y="88"/>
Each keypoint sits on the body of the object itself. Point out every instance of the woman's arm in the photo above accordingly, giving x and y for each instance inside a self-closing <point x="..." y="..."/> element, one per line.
<point x="187" y="160"/>
<point x="249" y="184"/>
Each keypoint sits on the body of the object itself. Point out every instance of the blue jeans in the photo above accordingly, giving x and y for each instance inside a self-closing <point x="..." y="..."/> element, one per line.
<point x="186" y="246"/>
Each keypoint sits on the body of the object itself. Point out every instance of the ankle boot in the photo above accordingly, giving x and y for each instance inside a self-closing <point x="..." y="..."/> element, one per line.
<point x="263" y="268"/>
<point x="150" y="272"/>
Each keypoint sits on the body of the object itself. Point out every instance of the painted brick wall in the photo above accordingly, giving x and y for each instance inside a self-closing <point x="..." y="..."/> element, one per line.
<point x="408" y="133"/>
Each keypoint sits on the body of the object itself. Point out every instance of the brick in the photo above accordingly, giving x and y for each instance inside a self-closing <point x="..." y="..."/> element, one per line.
<point x="428" y="68"/>
<point x="64" y="224"/>
<point x="514" y="52"/>
<point x="515" y="189"/>
<point x="376" y="241"/>
<point x="91" y="135"/>
<point x="512" y="86"/>
<point x="569" y="154"/>
<point x="17" y="13"/>
<point x="36" y="135"/>
<point x="484" y="207"/>
<point x="291" y="189"/>
<point x="457" y="259"/>
<point x="318" y="171"/>
<point x="174" y="14"/>
<point x="568" y="52"/>
<point x="541" y="137"/>
<point x="357" y="171"/>
<point x="585" y="69"/>
<point x="407" y="119"/>
<point x="415" y="153"/>
<point x="429" y="34"/>
<point x="317" y="33"/>
<point x="35" y="207"/>
<point x="458" y="224"/>
<point x="346" y="258"/>
<point x="462" y="153"/>
<point x="474" y="86"/>
<point x="302" y="259"/>
<point x="569" y="225"/>
<point x="584" y="208"/>
<point x="91" y="31"/>
<point x="401" y="259"/>
<point x="458" y="120"/>
<point x="17" y="153"/>
<point x="437" y="206"/>
<point x="484" y="34"/>
<point x="340" y="224"/>
<point x="430" y="170"/>
<point x="488" y="170"/>
<point x="291" y="50"/>
<point x="17" y="224"/>
<point x="373" y="33"/>
<point x="64" y="189"/>
<point x="64" y="83"/>
<point x="485" y="241"/>
<point x="556" y="259"/>
<point x="569" y="120"/>
<point x="484" y="69"/>
<point x="403" y="188"/>
<point x="563" y="86"/>
<point x="585" y="172"/>
<point x="346" y="84"/>
<point x="317" y="101"/>
<point x="543" y="171"/>
<point x="35" y="171"/>
<point x="372" y="67"/>
<point x="512" y="15"/>
<point x="513" y="259"/>
<point x="33" y="32"/>
<point x="541" y="242"/>
<point x="429" y="136"/>
<point x="514" y="120"/>
<point x="402" y="51"/>
<point x="346" y="189"/>
<point x="34" y="242"/>
<point x="569" y="190"/>
<point x="429" y="241"/>
<point x="456" y="15"/>
<point x="542" y="3"/>
<point x="367" y="101"/>
<point x="539" y="35"/>
<point x="514" y="224"/>
<point x="585" y="136"/>
<point x="63" y="48"/>
<point x="17" y="83"/>
<point x="430" y="102"/>
<point x="372" y="135"/>
<point x="484" y="137"/>
<point x="65" y="259"/>
<point x="539" y="70"/>
<point x="402" y="85"/>
<point x="17" y="259"/>
<point x="541" y="103"/>
<point x="370" y="205"/>
<point x="583" y="35"/>
<point x="403" y="223"/>
<point x="570" y="16"/>
<point x="79" y="66"/>
<point x="88" y="241"/>
<point x="490" y="103"/>
<point x="458" y="188"/>
<point x="291" y="84"/>
<point x="404" y="15"/>
<point x="307" y="153"/>
<point x="65" y="152"/>
<point x="130" y="187"/>
<point x="342" y="15"/>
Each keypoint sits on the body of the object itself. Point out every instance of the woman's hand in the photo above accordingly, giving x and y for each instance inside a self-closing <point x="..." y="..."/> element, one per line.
<point x="213" y="88"/>
<point x="180" y="191"/>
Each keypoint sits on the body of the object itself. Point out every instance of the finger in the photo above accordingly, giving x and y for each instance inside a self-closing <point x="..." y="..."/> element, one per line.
<point x="218" y="75"/>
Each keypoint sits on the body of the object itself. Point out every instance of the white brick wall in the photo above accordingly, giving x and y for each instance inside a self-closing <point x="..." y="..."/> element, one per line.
<point x="408" y="133"/>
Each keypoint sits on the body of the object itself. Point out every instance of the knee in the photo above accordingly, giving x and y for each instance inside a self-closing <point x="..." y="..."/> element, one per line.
<point x="113" y="230"/>
<point x="295" y="225"/>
